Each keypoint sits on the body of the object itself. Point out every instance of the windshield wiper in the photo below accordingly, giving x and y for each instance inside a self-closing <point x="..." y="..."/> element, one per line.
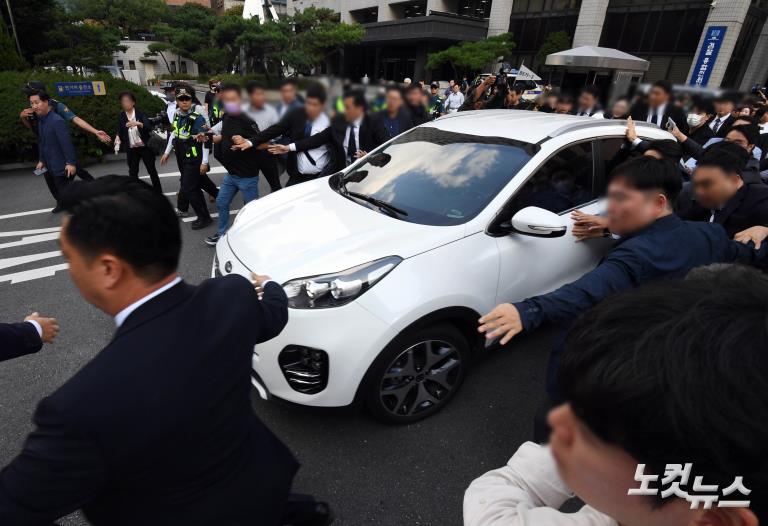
<point x="378" y="202"/>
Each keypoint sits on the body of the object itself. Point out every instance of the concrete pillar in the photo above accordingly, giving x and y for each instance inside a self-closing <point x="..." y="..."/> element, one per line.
<point x="498" y="23"/>
<point x="728" y="13"/>
<point x="386" y="13"/>
<point x="757" y="69"/>
<point x="590" y="23"/>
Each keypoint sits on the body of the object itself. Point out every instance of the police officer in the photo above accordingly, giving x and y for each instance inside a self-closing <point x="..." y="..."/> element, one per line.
<point x="191" y="156"/>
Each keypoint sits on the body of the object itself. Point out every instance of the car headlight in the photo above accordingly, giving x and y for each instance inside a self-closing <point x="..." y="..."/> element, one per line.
<point x="334" y="290"/>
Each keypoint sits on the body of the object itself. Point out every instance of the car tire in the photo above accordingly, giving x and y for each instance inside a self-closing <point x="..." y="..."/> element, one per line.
<point x="417" y="374"/>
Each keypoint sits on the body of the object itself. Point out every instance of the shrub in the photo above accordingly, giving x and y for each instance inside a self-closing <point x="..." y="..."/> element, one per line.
<point x="17" y="143"/>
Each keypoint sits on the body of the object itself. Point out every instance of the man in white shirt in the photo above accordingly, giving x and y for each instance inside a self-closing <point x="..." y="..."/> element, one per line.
<point x="454" y="100"/>
<point x="589" y="103"/>
<point x="647" y="430"/>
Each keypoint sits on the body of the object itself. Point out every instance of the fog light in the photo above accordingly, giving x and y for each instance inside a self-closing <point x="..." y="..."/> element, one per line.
<point x="305" y="369"/>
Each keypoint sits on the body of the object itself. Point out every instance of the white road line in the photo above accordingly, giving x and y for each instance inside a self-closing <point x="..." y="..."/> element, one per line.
<point x="21" y="260"/>
<point x="214" y="170"/>
<point x="215" y="214"/>
<point x="36" y="273"/>
<point x="31" y="239"/>
<point x="30" y="213"/>
<point x="19" y="233"/>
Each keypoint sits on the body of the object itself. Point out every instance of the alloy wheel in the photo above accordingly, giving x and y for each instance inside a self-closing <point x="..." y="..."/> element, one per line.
<point x="420" y="378"/>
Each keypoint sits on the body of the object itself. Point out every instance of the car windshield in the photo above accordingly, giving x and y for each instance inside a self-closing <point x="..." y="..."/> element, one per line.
<point x="434" y="177"/>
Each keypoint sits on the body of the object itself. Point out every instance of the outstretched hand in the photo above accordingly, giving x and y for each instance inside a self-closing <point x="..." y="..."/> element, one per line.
<point x="504" y="320"/>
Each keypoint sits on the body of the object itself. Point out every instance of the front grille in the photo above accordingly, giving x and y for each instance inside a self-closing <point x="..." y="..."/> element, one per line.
<point x="305" y="369"/>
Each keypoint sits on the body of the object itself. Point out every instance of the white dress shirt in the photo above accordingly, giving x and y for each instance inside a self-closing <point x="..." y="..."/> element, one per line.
<point x="121" y="316"/>
<point x="319" y="154"/>
<point x="453" y="102"/>
<point x="526" y="492"/>
<point x="717" y="122"/>
<point x="658" y="113"/>
<point x="37" y="326"/>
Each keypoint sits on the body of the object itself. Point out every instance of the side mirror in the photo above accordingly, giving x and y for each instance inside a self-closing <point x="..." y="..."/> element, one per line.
<point x="537" y="222"/>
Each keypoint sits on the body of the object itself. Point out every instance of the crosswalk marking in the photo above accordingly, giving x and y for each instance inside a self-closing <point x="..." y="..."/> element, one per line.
<point x="28" y="240"/>
<point x="20" y="260"/>
<point x="19" y="233"/>
<point x="37" y="273"/>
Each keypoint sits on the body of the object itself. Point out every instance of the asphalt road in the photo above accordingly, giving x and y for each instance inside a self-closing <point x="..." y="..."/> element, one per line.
<point x="372" y="474"/>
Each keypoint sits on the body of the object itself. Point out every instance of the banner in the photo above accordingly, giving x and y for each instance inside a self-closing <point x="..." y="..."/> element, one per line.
<point x="526" y="74"/>
<point x="707" y="55"/>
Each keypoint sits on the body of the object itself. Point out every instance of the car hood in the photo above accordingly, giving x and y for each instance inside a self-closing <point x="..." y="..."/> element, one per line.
<point x="309" y="229"/>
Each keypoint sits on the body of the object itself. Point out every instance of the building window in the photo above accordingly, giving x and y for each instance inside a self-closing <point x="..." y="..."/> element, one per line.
<point x="532" y="21"/>
<point x="173" y="66"/>
<point x="745" y="44"/>
<point x="121" y="64"/>
<point x="183" y="66"/>
<point x="365" y="16"/>
<point x="475" y="8"/>
<point x="132" y="64"/>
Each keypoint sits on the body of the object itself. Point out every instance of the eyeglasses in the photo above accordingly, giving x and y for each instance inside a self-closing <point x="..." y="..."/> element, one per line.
<point x="183" y="99"/>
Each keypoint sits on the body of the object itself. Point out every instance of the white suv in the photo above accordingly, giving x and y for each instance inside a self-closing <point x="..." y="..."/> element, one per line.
<point x="389" y="264"/>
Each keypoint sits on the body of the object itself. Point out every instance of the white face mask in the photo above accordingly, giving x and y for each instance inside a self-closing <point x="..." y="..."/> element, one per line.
<point x="694" y="119"/>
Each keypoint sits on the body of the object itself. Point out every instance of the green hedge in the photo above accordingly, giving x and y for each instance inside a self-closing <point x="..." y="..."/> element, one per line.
<point x="17" y="143"/>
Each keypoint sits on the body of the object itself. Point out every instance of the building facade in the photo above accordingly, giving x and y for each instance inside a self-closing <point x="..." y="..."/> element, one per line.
<point x="709" y="42"/>
<point x="143" y="70"/>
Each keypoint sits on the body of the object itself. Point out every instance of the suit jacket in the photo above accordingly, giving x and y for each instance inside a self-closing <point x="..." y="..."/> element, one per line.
<point x="747" y="208"/>
<point x="372" y="135"/>
<point x="145" y="131"/>
<point x="54" y="144"/>
<point x="640" y="113"/>
<point x="666" y="249"/>
<point x="158" y="429"/>
<point x="724" y="128"/>
<point x="404" y="119"/>
<point x="292" y="124"/>
<point x="18" y="339"/>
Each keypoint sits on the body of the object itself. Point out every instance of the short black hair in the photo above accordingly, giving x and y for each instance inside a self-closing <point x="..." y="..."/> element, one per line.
<point x="668" y="148"/>
<point x="677" y="372"/>
<point x="704" y="105"/>
<point x="663" y="84"/>
<point x="565" y="98"/>
<point x="729" y="157"/>
<point x="591" y="90"/>
<point x="230" y="86"/>
<point x="358" y="98"/>
<point x="128" y="218"/>
<point x="128" y="94"/>
<point x="750" y="131"/>
<point x="749" y="118"/>
<point x="394" y="87"/>
<point x="648" y="173"/>
<point x="253" y="85"/>
<point x="316" y="91"/>
<point x="290" y="81"/>
<point x="40" y="93"/>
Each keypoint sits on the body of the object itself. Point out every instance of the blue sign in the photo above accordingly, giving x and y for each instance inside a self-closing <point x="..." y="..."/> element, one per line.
<point x="707" y="55"/>
<point x="80" y="89"/>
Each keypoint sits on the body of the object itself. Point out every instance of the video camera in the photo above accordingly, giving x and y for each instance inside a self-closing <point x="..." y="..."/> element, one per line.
<point x="501" y="76"/>
<point x="758" y="89"/>
<point x="158" y="120"/>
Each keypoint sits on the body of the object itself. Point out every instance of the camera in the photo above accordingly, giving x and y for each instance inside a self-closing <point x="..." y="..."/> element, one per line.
<point x="158" y="120"/>
<point x="758" y="89"/>
<point x="501" y="76"/>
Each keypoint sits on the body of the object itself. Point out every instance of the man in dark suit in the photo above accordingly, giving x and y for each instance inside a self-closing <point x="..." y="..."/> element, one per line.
<point x="589" y="102"/>
<point x="27" y="337"/>
<point x="158" y="428"/>
<point x="721" y="123"/>
<point x="396" y="118"/>
<point x="654" y="245"/>
<point x="660" y="107"/>
<point x="299" y="123"/>
<point x="350" y="135"/>
<point x="56" y="153"/>
<point x="721" y="196"/>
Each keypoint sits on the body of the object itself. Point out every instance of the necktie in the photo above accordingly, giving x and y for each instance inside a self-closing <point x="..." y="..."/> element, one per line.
<point x="653" y="116"/>
<point x="351" y="145"/>
<point x="307" y="129"/>
<point x="716" y="125"/>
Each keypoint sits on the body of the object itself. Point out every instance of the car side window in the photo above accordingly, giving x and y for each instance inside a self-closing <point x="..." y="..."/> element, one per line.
<point x="611" y="155"/>
<point x="563" y="182"/>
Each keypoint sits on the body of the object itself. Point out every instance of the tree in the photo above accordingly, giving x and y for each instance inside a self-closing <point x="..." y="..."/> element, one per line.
<point x="9" y="56"/>
<point x="80" y="45"/>
<point x="29" y="16"/>
<point x="187" y="32"/>
<point x="555" y="42"/>
<point x="472" y="55"/>
<point x="319" y="35"/>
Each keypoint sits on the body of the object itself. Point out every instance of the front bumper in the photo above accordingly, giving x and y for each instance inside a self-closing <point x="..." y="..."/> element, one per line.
<point x="351" y="335"/>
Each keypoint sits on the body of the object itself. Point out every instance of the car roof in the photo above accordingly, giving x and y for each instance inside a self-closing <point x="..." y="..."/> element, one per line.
<point x="529" y="126"/>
